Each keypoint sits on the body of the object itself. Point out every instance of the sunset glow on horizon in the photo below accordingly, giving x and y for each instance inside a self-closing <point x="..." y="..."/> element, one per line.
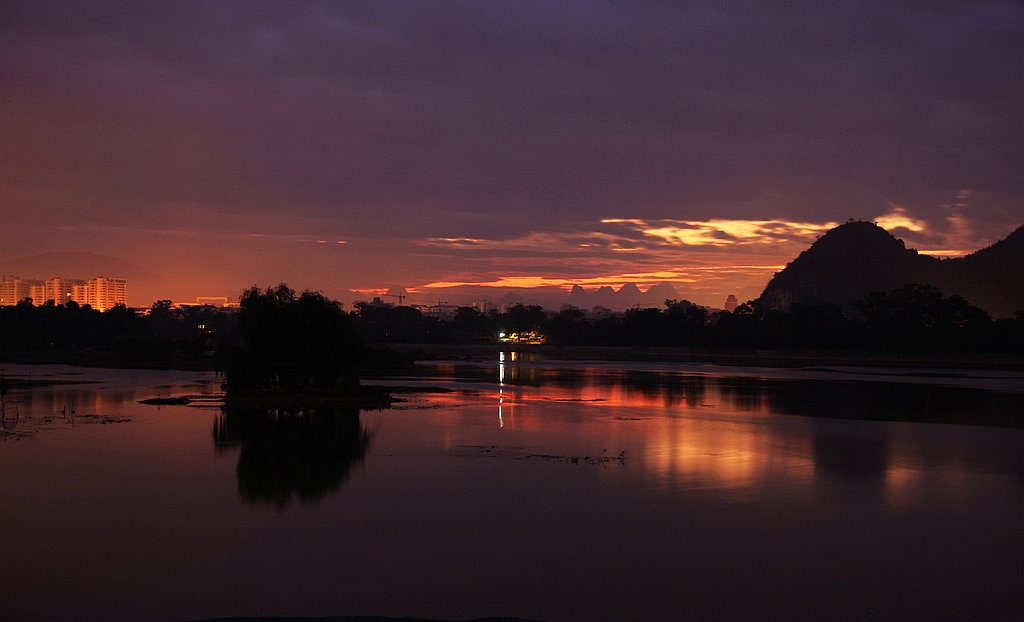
<point x="199" y="149"/>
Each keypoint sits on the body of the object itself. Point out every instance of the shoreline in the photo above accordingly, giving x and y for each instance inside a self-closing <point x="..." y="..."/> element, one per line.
<point x="102" y="360"/>
<point x="740" y="357"/>
<point x="480" y="352"/>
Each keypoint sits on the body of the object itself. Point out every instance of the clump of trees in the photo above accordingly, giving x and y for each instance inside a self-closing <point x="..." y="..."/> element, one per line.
<point x="383" y="324"/>
<point x="191" y="333"/>
<point x="919" y="317"/>
<point x="291" y="343"/>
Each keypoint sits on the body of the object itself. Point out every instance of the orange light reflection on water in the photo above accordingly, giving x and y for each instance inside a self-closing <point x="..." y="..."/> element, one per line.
<point x="688" y="427"/>
<point x="699" y="429"/>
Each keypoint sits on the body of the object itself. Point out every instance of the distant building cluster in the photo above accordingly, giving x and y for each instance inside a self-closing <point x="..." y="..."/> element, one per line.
<point x="99" y="293"/>
<point x="529" y="337"/>
<point x="221" y="302"/>
<point x="441" y="310"/>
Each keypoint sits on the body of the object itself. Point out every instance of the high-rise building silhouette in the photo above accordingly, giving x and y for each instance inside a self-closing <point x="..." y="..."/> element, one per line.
<point x="731" y="303"/>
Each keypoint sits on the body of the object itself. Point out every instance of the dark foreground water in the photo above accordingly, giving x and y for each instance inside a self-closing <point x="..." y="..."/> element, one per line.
<point x="541" y="490"/>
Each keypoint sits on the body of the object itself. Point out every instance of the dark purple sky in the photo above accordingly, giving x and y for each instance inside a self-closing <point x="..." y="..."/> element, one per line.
<point x="225" y="144"/>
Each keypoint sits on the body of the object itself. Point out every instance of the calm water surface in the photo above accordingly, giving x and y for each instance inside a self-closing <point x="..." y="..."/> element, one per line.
<point x="561" y="491"/>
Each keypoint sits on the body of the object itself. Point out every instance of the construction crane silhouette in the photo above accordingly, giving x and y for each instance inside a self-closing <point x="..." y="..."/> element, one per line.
<point x="400" y="297"/>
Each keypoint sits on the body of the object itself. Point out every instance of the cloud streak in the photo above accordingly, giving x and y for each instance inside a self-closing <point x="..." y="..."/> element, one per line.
<point x="728" y="232"/>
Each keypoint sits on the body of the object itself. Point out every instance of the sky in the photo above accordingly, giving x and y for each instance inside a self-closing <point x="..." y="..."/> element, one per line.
<point x="440" y="147"/>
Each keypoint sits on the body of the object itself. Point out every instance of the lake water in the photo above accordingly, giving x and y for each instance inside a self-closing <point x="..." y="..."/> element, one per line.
<point x="539" y="489"/>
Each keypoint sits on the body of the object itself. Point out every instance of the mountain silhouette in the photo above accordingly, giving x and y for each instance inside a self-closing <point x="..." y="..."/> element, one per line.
<point x="629" y="295"/>
<point x="857" y="258"/>
<point x="991" y="278"/>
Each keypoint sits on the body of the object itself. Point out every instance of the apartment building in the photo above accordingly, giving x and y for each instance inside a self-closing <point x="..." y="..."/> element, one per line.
<point x="14" y="289"/>
<point x="100" y="293"/>
<point x="103" y="293"/>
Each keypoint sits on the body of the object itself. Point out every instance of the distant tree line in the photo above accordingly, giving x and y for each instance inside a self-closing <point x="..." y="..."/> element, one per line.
<point x="166" y="335"/>
<point x="25" y="327"/>
<point x="912" y="318"/>
<point x="293" y="339"/>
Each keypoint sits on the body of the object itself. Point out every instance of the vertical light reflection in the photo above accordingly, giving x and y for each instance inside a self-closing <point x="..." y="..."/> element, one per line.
<point x="501" y="386"/>
<point x="902" y="479"/>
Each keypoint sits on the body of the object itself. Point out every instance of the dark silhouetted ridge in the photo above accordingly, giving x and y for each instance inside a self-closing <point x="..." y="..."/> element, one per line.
<point x="991" y="278"/>
<point x="857" y="258"/>
<point x="845" y="264"/>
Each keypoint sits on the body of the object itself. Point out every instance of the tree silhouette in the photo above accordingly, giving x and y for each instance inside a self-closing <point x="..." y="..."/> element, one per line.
<point x="918" y="317"/>
<point x="291" y="344"/>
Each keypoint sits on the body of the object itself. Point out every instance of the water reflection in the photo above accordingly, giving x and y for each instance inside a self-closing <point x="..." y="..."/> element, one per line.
<point x="501" y="388"/>
<point x="721" y="508"/>
<point x="821" y="397"/>
<point x="851" y="457"/>
<point x="725" y="455"/>
<point x="302" y="454"/>
<point x="49" y="398"/>
<point x="722" y="431"/>
<point x="9" y="412"/>
<point x="895" y="402"/>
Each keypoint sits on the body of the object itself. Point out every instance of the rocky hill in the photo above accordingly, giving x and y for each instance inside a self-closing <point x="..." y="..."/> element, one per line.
<point x="856" y="258"/>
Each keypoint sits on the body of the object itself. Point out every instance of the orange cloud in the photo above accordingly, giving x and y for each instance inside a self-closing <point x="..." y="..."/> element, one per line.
<point x="898" y="218"/>
<point x="726" y="232"/>
<point x="696" y="256"/>
<point x="632" y="235"/>
<point x="690" y="275"/>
